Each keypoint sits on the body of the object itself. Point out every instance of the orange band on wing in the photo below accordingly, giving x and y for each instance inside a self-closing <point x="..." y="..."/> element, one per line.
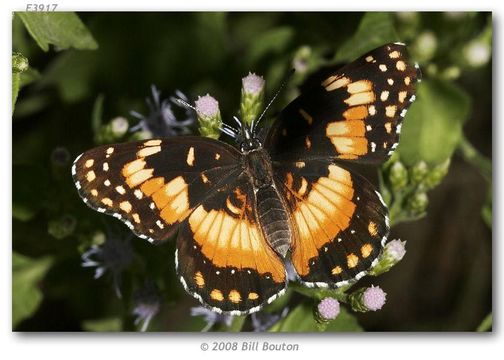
<point x="235" y="242"/>
<point x="321" y="215"/>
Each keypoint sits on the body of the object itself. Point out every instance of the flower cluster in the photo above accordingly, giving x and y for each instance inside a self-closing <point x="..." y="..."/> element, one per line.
<point x="166" y="117"/>
<point x="114" y="255"/>
<point x="147" y="301"/>
<point x="405" y="189"/>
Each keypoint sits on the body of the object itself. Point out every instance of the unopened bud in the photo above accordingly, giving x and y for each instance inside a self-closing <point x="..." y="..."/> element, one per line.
<point x="398" y="176"/>
<point x="209" y="118"/>
<point x="436" y="175"/>
<point x="252" y="97"/>
<point x="393" y="252"/>
<point x="19" y="63"/>
<point x="418" y="172"/>
<point x="417" y="203"/>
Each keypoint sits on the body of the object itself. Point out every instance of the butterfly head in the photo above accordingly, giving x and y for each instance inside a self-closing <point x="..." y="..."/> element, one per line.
<point x="245" y="136"/>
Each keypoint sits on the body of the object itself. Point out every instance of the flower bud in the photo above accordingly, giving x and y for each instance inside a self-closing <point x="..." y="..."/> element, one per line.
<point x="436" y="175"/>
<point x="451" y="72"/>
<point x="477" y="53"/>
<point x="252" y="97"/>
<point x="19" y="63"/>
<point x="393" y="252"/>
<point x="327" y="309"/>
<point x="112" y="131"/>
<point x="418" y="172"/>
<point x="398" y="176"/>
<point x="425" y="46"/>
<point x="417" y="203"/>
<point x="301" y="60"/>
<point x="119" y="126"/>
<point x="368" y="299"/>
<point x="209" y="117"/>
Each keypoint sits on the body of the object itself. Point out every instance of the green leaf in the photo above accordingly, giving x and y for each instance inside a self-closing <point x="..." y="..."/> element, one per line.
<point x="29" y="76"/>
<point x="72" y="73"/>
<point x="103" y="325"/>
<point x="15" y="89"/>
<point x="433" y="125"/>
<point x="274" y="41"/>
<point x="26" y="295"/>
<point x="210" y="31"/>
<point x="301" y="319"/>
<point x="375" y="29"/>
<point x="62" y="29"/>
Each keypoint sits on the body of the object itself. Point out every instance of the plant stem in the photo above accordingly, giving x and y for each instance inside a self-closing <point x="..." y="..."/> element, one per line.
<point x="475" y="158"/>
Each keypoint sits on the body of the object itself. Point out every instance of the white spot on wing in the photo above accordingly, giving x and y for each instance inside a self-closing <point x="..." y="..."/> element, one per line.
<point x="138" y="193"/>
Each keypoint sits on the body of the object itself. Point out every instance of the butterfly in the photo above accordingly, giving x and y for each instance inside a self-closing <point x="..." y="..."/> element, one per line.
<point x="242" y="213"/>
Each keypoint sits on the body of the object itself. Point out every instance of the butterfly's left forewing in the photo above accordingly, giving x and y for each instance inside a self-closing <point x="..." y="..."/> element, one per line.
<point x="153" y="185"/>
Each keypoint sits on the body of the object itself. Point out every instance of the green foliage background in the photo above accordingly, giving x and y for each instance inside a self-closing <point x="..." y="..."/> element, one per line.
<point x="73" y="73"/>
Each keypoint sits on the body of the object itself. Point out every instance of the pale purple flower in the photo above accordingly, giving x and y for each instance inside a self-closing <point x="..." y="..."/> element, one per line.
<point x="374" y="298"/>
<point x="211" y="317"/>
<point x="207" y="106"/>
<point x="166" y="117"/>
<point x="328" y="308"/>
<point x="396" y="249"/>
<point x="262" y="321"/>
<point x="253" y="84"/>
<point x="113" y="256"/>
<point x="147" y="302"/>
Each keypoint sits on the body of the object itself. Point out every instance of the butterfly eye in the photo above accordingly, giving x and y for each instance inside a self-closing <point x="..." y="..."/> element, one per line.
<point x="250" y="144"/>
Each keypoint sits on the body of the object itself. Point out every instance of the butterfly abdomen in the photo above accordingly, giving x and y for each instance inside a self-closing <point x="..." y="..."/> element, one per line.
<point x="274" y="220"/>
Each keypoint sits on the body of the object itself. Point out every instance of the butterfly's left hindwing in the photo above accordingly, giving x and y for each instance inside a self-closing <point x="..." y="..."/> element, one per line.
<point x="153" y="185"/>
<point x="340" y="221"/>
<point x="354" y="114"/>
<point x="223" y="259"/>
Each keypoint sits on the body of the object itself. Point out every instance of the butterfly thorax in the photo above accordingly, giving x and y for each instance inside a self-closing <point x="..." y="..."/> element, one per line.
<point x="271" y="210"/>
<point x="257" y="164"/>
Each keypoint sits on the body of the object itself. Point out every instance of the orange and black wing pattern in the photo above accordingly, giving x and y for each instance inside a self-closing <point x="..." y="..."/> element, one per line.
<point x="222" y="257"/>
<point x="340" y="221"/>
<point x="354" y="113"/>
<point x="153" y="185"/>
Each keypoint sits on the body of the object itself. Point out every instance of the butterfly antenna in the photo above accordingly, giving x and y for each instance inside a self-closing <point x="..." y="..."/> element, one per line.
<point x="184" y="103"/>
<point x="282" y="85"/>
<point x="229" y="127"/>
